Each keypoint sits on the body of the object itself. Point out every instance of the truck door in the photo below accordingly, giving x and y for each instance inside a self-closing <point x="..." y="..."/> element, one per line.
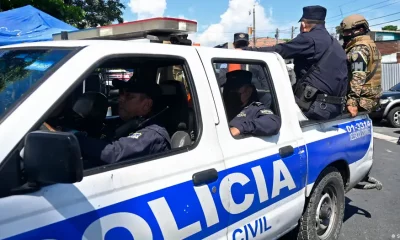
<point x="265" y="176"/>
<point x="169" y="195"/>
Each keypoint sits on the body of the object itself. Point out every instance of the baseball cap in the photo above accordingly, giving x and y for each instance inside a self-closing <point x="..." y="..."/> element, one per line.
<point x="151" y="89"/>
<point x="238" y="78"/>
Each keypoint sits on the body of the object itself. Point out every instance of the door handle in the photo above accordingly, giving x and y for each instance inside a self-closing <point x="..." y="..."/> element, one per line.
<point x="205" y="177"/>
<point x="286" y="151"/>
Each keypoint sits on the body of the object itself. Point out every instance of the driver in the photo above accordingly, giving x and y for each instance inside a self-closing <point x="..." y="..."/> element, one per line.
<point x="136" y="100"/>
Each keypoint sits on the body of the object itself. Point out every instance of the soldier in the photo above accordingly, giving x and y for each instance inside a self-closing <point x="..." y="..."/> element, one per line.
<point x="364" y="61"/>
<point x="259" y="80"/>
<point x="320" y="64"/>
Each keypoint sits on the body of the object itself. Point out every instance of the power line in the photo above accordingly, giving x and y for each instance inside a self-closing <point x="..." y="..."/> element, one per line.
<point x="384" y="16"/>
<point x="385" y="22"/>
<point x="360" y="9"/>
<point x="366" y="9"/>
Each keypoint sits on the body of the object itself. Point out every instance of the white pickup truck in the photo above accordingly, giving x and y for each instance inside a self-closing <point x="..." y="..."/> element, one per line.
<point x="210" y="185"/>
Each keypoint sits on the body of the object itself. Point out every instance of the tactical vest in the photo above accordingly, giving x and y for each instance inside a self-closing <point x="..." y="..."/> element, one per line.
<point x="374" y="62"/>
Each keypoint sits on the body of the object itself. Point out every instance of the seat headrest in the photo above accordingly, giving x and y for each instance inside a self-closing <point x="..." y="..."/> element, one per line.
<point x="174" y="93"/>
<point x="91" y="105"/>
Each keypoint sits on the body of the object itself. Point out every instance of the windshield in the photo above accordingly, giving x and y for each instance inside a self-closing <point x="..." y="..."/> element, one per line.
<point x="396" y="88"/>
<point x="21" y="69"/>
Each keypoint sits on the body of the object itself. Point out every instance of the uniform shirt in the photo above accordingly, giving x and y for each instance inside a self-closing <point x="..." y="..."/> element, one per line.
<point x="257" y="120"/>
<point x="307" y="49"/>
<point x="146" y="141"/>
<point x="360" y="93"/>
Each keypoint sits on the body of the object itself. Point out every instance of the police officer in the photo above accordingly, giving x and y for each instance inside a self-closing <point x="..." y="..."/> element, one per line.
<point x="245" y="114"/>
<point x="364" y="65"/>
<point x="137" y="102"/>
<point x="241" y="40"/>
<point x="319" y="64"/>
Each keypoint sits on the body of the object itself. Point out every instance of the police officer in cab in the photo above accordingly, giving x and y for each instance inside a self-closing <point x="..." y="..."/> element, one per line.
<point x="319" y="64"/>
<point x="246" y="115"/>
<point x="137" y="101"/>
<point x="241" y="40"/>
<point x="364" y="65"/>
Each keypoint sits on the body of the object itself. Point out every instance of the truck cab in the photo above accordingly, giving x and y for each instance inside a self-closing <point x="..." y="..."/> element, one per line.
<point x="209" y="185"/>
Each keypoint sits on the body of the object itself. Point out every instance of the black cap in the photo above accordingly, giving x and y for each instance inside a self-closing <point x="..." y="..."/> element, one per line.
<point x="238" y="78"/>
<point x="151" y="89"/>
<point x="237" y="37"/>
<point x="314" y="13"/>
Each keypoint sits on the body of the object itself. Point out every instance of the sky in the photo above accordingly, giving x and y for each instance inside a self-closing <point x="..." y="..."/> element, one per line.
<point x="218" y="20"/>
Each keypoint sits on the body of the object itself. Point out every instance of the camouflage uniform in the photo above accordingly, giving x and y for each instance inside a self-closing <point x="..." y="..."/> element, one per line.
<point x="364" y="72"/>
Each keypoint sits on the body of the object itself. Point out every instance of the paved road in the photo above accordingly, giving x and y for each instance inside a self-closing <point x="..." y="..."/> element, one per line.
<point x="372" y="214"/>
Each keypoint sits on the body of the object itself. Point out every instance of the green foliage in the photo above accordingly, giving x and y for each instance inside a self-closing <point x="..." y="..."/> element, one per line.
<point x="390" y="28"/>
<point x="79" y="13"/>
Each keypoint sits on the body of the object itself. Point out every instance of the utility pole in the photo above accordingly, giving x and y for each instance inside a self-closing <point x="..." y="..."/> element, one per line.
<point x="254" y="25"/>
<point x="293" y="28"/>
<point x="277" y="35"/>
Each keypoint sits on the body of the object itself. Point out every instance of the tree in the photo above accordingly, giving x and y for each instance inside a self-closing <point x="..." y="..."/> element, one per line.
<point x="79" y="13"/>
<point x="390" y="28"/>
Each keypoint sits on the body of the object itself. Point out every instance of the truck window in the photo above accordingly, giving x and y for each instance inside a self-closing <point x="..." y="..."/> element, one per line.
<point x="21" y="70"/>
<point x="174" y="111"/>
<point x="261" y="82"/>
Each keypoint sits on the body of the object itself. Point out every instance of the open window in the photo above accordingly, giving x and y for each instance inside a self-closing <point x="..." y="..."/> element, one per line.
<point x="261" y="80"/>
<point x="97" y="112"/>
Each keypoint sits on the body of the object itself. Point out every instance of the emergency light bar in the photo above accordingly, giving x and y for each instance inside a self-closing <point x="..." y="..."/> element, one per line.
<point x="157" y="29"/>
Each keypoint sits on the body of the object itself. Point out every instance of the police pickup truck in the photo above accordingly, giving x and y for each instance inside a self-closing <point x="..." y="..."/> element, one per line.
<point x="210" y="185"/>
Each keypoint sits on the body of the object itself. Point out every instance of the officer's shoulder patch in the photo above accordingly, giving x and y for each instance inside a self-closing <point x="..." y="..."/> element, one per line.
<point x="354" y="56"/>
<point x="135" y="135"/>
<point x="266" y="111"/>
<point x="241" y="114"/>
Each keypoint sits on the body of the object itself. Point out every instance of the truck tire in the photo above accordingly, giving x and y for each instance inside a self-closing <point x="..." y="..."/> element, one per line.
<point x="323" y="216"/>
<point x="393" y="117"/>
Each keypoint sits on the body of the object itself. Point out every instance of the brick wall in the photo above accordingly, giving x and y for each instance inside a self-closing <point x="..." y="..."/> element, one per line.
<point x="265" y="42"/>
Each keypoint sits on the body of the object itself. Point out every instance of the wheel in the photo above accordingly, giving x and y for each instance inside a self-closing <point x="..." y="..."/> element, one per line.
<point x="393" y="117"/>
<point x="323" y="216"/>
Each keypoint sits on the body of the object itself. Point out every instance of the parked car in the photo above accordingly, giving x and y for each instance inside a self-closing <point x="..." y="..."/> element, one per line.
<point x="389" y="108"/>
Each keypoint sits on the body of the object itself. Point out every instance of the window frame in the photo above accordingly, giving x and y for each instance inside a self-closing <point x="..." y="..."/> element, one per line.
<point x="266" y="72"/>
<point x="15" y="152"/>
<point x="127" y="163"/>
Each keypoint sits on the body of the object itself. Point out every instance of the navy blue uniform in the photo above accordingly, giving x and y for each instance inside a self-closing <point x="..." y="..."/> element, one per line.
<point x="257" y="120"/>
<point x="146" y="141"/>
<point x="306" y="49"/>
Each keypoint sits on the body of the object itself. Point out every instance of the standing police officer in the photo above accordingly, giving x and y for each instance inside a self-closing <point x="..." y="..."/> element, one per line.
<point x="320" y="66"/>
<point x="241" y="40"/>
<point x="364" y="65"/>
<point x="245" y="114"/>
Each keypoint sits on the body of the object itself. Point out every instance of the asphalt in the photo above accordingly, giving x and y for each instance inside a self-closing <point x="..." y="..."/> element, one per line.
<point x="373" y="214"/>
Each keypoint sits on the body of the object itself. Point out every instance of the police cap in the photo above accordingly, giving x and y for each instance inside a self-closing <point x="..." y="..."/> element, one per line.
<point x="239" y="37"/>
<point x="151" y="89"/>
<point x="238" y="78"/>
<point x="317" y="13"/>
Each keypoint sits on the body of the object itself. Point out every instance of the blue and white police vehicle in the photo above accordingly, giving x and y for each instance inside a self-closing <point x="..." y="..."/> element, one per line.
<point x="209" y="186"/>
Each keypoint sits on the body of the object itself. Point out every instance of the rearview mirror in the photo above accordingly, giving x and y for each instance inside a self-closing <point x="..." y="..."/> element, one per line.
<point x="52" y="157"/>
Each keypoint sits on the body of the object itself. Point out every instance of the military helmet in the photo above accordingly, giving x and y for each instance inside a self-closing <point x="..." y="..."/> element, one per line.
<point x="354" y="21"/>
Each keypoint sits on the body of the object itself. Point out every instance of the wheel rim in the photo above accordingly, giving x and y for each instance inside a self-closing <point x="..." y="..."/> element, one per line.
<point x="327" y="212"/>
<point x="396" y="117"/>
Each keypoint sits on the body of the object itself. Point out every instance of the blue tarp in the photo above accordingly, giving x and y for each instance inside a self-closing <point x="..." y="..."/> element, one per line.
<point x="28" y="24"/>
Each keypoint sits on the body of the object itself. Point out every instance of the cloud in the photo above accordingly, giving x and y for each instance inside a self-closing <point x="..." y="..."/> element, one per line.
<point x="148" y="8"/>
<point x="236" y="19"/>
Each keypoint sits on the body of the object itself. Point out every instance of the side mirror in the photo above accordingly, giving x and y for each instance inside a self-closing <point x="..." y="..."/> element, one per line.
<point x="52" y="157"/>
